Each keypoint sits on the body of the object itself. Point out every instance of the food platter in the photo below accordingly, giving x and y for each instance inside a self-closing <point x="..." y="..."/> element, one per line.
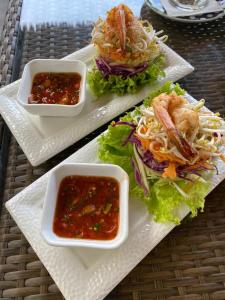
<point x="43" y="137"/>
<point x="96" y="272"/>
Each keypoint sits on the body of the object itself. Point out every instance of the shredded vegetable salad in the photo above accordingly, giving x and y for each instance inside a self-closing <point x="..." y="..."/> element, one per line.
<point x="168" y="146"/>
<point x="128" y="49"/>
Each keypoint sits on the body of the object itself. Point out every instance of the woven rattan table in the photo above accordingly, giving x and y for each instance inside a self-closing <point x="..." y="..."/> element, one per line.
<point x="190" y="262"/>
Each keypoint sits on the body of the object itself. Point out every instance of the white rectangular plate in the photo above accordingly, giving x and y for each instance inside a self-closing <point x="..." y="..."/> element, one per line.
<point x="82" y="273"/>
<point x="43" y="137"/>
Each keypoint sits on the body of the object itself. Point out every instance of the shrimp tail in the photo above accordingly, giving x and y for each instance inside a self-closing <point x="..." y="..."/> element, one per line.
<point x="185" y="148"/>
<point x="122" y="26"/>
<point x="160" y="106"/>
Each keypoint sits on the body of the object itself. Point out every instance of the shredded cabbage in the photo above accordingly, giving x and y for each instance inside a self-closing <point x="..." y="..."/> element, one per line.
<point x="129" y="85"/>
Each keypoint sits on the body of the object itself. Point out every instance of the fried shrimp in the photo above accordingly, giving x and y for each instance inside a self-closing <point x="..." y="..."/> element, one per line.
<point x="117" y="23"/>
<point x="186" y="121"/>
<point x="179" y="121"/>
<point x="123" y="39"/>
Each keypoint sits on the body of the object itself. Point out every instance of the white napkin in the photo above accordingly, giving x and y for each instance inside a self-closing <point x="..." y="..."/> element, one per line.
<point x="212" y="6"/>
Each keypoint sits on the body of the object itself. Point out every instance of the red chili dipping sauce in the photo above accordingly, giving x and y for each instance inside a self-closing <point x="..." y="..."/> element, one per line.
<point x="55" y="88"/>
<point x="88" y="208"/>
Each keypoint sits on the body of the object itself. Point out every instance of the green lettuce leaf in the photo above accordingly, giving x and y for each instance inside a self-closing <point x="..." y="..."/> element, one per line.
<point x="112" y="149"/>
<point x="121" y="86"/>
<point x="167" y="88"/>
<point x="164" y="199"/>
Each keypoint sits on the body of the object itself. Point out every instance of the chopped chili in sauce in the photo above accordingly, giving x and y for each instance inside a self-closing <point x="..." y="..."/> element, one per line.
<point x="55" y="88"/>
<point x="87" y="207"/>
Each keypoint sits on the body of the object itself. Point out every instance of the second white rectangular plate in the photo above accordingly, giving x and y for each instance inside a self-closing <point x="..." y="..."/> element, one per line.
<point x="82" y="273"/>
<point x="42" y="137"/>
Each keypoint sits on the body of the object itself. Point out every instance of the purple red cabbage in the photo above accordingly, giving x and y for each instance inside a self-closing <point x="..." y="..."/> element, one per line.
<point x="146" y="156"/>
<point x="131" y="134"/>
<point x="150" y="162"/>
<point x="138" y="177"/>
<point x="118" y="69"/>
<point x="133" y="140"/>
<point x="124" y="123"/>
<point x="215" y="134"/>
<point x="184" y="170"/>
<point x="217" y="171"/>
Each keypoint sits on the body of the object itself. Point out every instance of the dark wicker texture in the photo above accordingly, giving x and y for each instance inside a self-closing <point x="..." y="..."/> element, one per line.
<point x="190" y="262"/>
<point x="8" y="45"/>
<point x="9" y="40"/>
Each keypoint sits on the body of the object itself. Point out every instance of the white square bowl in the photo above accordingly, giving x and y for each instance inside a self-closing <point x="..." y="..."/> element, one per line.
<point x="55" y="66"/>
<point x="106" y="170"/>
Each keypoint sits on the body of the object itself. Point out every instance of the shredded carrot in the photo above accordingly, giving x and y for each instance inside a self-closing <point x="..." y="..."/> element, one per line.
<point x="145" y="143"/>
<point x="222" y="157"/>
<point x="143" y="129"/>
<point x="170" y="171"/>
<point x="167" y="156"/>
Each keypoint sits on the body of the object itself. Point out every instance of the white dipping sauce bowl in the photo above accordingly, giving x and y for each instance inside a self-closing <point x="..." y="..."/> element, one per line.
<point x="53" y="66"/>
<point x="105" y="170"/>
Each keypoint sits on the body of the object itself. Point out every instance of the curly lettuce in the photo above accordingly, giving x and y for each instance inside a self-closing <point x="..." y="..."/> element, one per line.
<point x="129" y="85"/>
<point x="163" y="199"/>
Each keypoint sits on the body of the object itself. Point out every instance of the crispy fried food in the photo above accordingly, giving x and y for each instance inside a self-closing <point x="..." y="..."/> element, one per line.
<point x="178" y="121"/>
<point x="124" y="39"/>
